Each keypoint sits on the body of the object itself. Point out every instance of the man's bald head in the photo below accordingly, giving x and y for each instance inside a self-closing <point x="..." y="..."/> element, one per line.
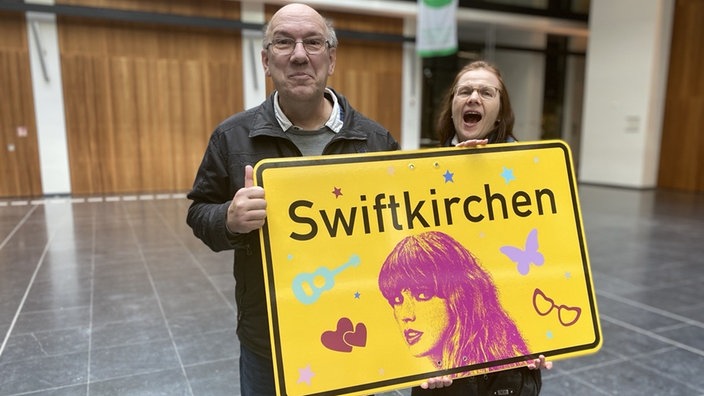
<point x="298" y="12"/>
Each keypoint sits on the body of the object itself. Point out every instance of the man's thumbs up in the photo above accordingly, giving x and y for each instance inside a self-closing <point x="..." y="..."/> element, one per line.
<point x="248" y="176"/>
<point x="247" y="211"/>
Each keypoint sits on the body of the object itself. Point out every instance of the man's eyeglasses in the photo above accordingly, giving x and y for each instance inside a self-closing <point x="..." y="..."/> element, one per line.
<point x="485" y="91"/>
<point x="285" y="46"/>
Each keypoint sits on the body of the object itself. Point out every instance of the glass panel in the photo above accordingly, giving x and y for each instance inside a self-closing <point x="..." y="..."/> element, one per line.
<point x="580" y="6"/>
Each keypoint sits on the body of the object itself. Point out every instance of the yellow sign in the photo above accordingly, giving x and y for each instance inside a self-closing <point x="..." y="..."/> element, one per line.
<point x="385" y="269"/>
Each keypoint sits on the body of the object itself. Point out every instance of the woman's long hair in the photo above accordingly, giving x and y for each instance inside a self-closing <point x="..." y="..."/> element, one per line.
<point x="503" y="129"/>
<point x="479" y="330"/>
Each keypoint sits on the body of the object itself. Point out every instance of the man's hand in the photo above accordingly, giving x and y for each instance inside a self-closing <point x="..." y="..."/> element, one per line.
<point x="247" y="211"/>
<point x="437" y="382"/>
<point x="539" y="363"/>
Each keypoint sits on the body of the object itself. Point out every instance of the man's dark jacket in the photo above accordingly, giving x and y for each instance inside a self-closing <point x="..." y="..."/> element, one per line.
<point x="245" y="139"/>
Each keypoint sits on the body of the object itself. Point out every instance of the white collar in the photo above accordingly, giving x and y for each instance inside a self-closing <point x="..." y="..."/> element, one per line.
<point x="334" y="122"/>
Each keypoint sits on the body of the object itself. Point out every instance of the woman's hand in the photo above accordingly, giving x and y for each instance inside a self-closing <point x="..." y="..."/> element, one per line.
<point x="473" y="143"/>
<point x="539" y="363"/>
<point x="437" y="382"/>
<point x="440" y="382"/>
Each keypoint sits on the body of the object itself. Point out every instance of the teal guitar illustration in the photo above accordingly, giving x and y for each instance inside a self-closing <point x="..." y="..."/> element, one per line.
<point x="304" y="284"/>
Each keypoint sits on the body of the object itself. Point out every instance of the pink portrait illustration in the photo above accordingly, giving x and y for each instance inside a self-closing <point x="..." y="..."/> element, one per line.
<point x="445" y="304"/>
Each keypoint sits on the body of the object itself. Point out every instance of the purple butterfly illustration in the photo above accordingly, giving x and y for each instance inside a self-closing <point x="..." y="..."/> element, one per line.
<point x="523" y="258"/>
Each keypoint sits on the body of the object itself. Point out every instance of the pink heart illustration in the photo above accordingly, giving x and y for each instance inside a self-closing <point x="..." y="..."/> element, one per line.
<point x="334" y="340"/>
<point x="358" y="337"/>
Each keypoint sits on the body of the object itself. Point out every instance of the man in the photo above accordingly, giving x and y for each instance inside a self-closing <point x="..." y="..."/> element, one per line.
<point x="302" y="117"/>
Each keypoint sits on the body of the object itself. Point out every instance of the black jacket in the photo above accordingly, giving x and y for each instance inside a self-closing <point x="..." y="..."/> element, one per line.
<point x="245" y="139"/>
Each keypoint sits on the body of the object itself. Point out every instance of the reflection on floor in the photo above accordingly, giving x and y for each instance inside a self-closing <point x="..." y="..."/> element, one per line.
<point x="115" y="296"/>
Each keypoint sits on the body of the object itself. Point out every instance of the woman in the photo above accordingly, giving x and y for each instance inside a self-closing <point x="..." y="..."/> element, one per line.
<point x="443" y="300"/>
<point x="476" y="111"/>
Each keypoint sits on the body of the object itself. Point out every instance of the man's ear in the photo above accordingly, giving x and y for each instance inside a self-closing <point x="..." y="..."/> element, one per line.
<point x="333" y="56"/>
<point x="265" y="62"/>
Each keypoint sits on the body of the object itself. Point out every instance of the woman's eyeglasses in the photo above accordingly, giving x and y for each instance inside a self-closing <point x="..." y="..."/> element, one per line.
<point x="285" y="46"/>
<point x="463" y="92"/>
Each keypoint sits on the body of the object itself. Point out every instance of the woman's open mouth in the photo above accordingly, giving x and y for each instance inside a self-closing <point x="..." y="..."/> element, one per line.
<point x="472" y="117"/>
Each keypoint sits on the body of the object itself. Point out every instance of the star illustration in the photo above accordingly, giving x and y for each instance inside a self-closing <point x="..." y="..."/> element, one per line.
<point x="507" y="174"/>
<point x="448" y="176"/>
<point x="337" y="191"/>
<point x="568" y="275"/>
<point x="356" y="295"/>
<point x="305" y="374"/>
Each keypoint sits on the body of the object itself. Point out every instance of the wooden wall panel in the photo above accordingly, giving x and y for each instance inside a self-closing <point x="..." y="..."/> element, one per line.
<point x="202" y="8"/>
<point x="141" y="101"/>
<point x="20" y="173"/>
<point x="368" y="73"/>
<point x="682" y="145"/>
<point x="86" y="113"/>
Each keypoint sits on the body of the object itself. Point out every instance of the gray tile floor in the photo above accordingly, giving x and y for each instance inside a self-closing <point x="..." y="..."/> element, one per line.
<point x="115" y="296"/>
